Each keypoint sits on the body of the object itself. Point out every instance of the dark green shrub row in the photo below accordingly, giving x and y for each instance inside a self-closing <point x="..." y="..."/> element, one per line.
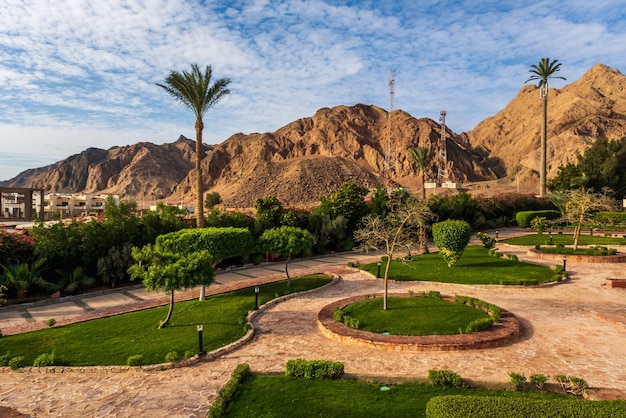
<point x="340" y="316"/>
<point x="592" y="250"/>
<point x="524" y="217"/>
<point x="477" y="325"/>
<point x="457" y="406"/>
<point x="4" y="359"/>
<point x="445" y="378"/>
<point x="314" y="369"/>
<point x="432" y="294"/>
<point x="241" y="373"/>
<point x="492" y="310"/>
<point x="519" y="282"/>
<point x="611" y="218"/>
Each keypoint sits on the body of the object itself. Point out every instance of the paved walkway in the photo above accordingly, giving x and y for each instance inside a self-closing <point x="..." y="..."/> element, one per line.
<point x="577" y="328"/>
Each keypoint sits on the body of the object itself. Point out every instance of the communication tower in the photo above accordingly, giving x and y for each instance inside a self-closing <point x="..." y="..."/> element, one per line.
<point x="442" y="172"/>
<point x="392" y="92"/>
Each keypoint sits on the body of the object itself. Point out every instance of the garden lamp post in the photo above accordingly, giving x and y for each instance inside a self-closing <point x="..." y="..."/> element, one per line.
<point x="199" y="327"/>
<point x="550" y="237"/>
<point x="497" y="234"/>
<point x="378" y="274"/>
<point x="564" y="263"/>
<point x="256" y="298"/>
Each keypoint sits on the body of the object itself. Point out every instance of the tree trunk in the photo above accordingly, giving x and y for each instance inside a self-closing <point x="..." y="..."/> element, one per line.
<point x="423" y="185"/>
<point x="386" y="291"/>
<point x="577" y="232"/>
<point x="423" y="240"/>
<point x="169" y="312"/>
<point x="287" y="271"/>
<point x="199" y="183"/>
<point x="202" y="293"/>
<point x="544" y="147"/>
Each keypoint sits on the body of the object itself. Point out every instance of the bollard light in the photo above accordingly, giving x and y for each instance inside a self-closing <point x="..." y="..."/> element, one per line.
<point x="256" y="298"/>
<point x="378" y="274"/>
<point x="564" y="263"/>
<point x="550" y="237"/>
<point x="497" y="234"/>
<point x="199" y="327"/>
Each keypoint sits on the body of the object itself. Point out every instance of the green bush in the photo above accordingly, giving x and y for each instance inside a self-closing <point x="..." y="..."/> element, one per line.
<point x="4" y="359"/>
<point x="492" y="310"/>
<point x="44" y="360"/>
<point x="172" y="357"/>
<point x="517" y="380"/>
<point x="16" y="363"/>
<point x="538" y="380"/>
<point x="224" y="396"/>
<point x="520" y="282"/>
<point x="445" y="378"/>
<point x="524" y="218"/>
<point x="611" y="218"/>
<point x="136" y="360"/>
<point x="572" y="384"/>
<point x="488" y="241"/>
<point x="314" y="369"/>
<point x="451" y="237"/>
<point x="189" y="354"/>
<point x="351" y="322"/>
<point x="460" y="406"/>
<point x="51" y="322"/>
<point x="512" y="257"/>
<point x="478" y="325"/>
<point x="338" y="314"/>
<point x="540" y="224"/>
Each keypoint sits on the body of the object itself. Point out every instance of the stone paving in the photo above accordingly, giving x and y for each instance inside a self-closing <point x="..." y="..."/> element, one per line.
<point x="576" y="328"/>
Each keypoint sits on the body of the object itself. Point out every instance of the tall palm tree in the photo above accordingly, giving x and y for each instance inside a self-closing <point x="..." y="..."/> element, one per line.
<point x="422" y="156"/>
<point x="542" y="72"/>
<point x="194" y="90"/>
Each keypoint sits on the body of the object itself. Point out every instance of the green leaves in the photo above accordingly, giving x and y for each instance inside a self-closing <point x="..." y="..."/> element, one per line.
<point x="451" y="237"/>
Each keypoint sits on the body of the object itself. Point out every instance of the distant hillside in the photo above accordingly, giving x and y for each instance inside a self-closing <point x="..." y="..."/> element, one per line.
<point x="311" y="157"/>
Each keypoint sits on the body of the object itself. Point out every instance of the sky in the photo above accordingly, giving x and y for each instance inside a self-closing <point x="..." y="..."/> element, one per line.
<point x="76" y="74"/>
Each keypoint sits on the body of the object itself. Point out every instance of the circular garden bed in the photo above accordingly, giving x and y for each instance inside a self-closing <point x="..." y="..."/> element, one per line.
<point x="502" y="332"/>
<point x="578" y="258"/>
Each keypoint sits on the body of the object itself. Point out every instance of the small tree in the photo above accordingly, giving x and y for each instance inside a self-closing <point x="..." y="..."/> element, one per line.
<point x="286" y="241"/>
<point x="581" y="205"/>
<point x="451" y="237"/>
<point x="398" y="229"/>
<point x="221" y="243"/>
<point x="212" y="199"/>
<point x="169" y="272"/>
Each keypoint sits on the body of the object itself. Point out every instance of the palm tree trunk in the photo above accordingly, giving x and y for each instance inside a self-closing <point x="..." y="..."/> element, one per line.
<point x="544" y="147"/>
<point x="199" y="185"/>
<point x="577" y="232"/>
<point x="169" y="312"/>
<point x="423" y="185"/>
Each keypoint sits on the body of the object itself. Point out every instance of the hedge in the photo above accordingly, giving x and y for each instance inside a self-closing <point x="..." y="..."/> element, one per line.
<point x="523" y="218"/>
<point x="314" y="369"/>
<point x="457" y="406"/>
<point x="224" y="396"/>
<point x="611" y="218"/>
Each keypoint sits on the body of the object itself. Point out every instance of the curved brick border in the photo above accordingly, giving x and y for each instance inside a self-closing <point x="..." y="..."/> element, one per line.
<point x="183" y="363"/>
<point x="505" y="331"/>
<point x="617" y="258"/>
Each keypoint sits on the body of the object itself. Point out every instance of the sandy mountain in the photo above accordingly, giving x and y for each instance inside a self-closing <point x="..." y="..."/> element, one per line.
<point x="313" y="156"/>
<point x="578" y="114"/>
<point x="140" y="170"/>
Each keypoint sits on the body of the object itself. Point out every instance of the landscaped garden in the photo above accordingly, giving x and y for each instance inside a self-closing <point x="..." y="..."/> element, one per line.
<point x="476" y="266"/>
<point x="564" y="239"/>
<point x="413" y="316"/>
<point x="112" y="340"/>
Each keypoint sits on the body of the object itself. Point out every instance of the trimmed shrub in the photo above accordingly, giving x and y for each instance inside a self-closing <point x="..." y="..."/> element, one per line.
<point x="492" y="310"/>
<point x="44" y="360"/>
<point x="517" y="380"/>
<point x="51" y="322"/>
<point x="538" y="380"/>
<point x="136" y="360"/>
<point x="445" y="378"/>
<point x="451" y="237"/>
<point x="314" y="369"/>
<point x="16" y="363"/>
<point x="351" y="322"/>
<point x="540" y="224"/>
<point x="461" y="406"/>
<point x="338" y="314"/>
<point x="189" y="354"/>
<point x="224" y="396"/>
<point x="4" y="359"/>
<point x="478" y="325"/>
<point x="523" y="218"/>
<point x="611" y="218"/>
<point x="172" y="357"/>
<point x="488" y="241"/>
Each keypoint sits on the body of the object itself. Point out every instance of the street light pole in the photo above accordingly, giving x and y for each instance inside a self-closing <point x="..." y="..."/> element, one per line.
<point x="199" y="327"/>
<point x="256" y="298"/>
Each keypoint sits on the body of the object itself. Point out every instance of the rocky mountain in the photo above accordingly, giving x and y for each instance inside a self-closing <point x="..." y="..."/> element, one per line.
<point x="134" y="171"/>
<point x="592" y="107"/>
<point x="311" y="157"/>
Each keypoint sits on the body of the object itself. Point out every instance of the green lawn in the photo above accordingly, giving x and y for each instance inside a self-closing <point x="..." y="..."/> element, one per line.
<point x="476" y="266"/>
<point x="566" y="239"/>
<point x="110" y="341"/>
<point x="280" y="396"/>
<point x="413" y="316"/>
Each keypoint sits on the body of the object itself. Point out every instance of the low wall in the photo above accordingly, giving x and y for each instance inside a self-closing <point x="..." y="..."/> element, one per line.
<point x="617" y="258"/>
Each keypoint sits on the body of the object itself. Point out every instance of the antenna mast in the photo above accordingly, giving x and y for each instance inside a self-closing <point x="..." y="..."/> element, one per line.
<point x="442" y="172"/>
<point x="392" y="92"/>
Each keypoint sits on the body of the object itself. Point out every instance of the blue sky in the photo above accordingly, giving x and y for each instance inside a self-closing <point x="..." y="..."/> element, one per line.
<point x="76" y="74"/>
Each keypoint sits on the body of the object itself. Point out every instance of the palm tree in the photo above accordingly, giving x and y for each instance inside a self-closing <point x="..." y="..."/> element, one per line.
<point x="194" y="90"/>
<point x="542" y="72"/>
<point x="20" y="277"/>
<point x="422" y="156"/>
